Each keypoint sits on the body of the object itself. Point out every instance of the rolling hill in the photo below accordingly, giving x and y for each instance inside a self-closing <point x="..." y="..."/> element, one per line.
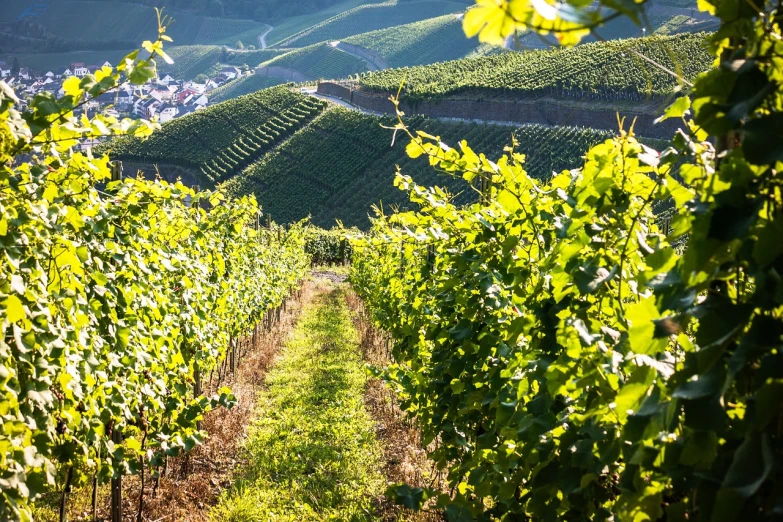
<point x="370" y="17"/>
<point x="419" y="43"/>
<point x="218" y="142"/>
<point x="614" y="70"/>
<point x="301" y="158"/>
<point x="96" y="21"/>
<point x="319" y="61"/>
<point x="345" y="162"/>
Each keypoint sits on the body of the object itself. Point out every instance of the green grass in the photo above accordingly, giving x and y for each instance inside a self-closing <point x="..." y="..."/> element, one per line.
<point x="311" y="454"/>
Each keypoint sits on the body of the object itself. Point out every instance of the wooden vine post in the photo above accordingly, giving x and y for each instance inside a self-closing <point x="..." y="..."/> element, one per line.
<point x="116" y="483"/>
<point x="116" y="171"/>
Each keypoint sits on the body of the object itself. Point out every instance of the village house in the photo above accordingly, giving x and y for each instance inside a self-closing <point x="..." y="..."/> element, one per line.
<point x="230" y="72"/>
<point x="25" y="74"/>
<point x="62" y="72"/>
<point x="5" y="69"/>
<point x="79" y="69"/>
<point x="167" y="113"/>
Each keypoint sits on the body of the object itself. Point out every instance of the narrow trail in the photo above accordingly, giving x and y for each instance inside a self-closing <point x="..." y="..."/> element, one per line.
<point x="262" y="37"/>
<point x="312" y="453"/>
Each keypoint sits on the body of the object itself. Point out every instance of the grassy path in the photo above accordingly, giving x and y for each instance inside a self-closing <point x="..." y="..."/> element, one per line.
<point x="311" y="454"/>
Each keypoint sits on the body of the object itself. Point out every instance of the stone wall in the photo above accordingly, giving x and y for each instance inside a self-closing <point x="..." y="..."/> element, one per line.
<point x="515" y="110"/>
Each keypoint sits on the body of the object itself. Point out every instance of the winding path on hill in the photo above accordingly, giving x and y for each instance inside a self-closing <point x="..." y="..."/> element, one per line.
<point x="262" y="37"/>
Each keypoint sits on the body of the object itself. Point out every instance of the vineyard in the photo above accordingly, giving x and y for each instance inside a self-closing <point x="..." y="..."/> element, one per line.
<point x="123" y="316"/>
<point x="371" y="17"/>
<point x="242" y="86"/>
<point x="354" y="164"/>
<point x="320" y="61"/>
<point x="191" y="60"/>
<point x="429" y="41"/>
<point x="297" y="24"/>
<point x="603" y="71"/>
<point x="253" y="58"/>
<point x="219" y="141"/>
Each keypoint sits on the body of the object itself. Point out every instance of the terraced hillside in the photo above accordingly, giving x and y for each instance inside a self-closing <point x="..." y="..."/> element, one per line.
<point x="218" y="142"/>
<point x="614" y="70"/>
<point x="428" y="41"/>
<point x="371" y="17"/>
<point x="242" y="86"/>
<point x="252" y="58"/>
<point x="344" y="162"/>
<point x="320" y="61"/>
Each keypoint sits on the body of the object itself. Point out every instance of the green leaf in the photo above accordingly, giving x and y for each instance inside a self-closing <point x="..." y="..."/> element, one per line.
<point x="14" y="309"/>
<point x="678" y="109"/>
<point x="752" y="464"/>
<point x="411" y="498"/>
<point x="763" y="141"/>
<point x="642" y="332"/>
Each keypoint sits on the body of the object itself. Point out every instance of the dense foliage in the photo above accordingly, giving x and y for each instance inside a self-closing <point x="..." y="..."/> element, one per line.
<point x="344" y="162"/>
<point x="370" y="17"/>
<point x="328" y="247"/>
<point x="115" y="295"/>
<point x="606" y="70"/>
<point x="222" y="139"/>
<point x="565" y="361"/>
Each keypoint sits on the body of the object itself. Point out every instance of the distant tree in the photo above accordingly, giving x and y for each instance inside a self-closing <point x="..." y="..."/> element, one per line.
<point x="201" y="78"/>
<point x="251" y="47"/>
<point x="15" y="66"/>
<point x="240" y="45"/>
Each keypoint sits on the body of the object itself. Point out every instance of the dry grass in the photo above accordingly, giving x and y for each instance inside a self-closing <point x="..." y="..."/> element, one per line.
<point x="405" y="460"/>
<point x="193" y="483"/>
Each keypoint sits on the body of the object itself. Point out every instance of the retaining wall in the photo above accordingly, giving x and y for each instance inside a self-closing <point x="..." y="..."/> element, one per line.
<point x="546" y="112"/>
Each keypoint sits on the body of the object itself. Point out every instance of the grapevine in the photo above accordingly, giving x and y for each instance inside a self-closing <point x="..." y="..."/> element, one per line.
<point x="117" y="295"/>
